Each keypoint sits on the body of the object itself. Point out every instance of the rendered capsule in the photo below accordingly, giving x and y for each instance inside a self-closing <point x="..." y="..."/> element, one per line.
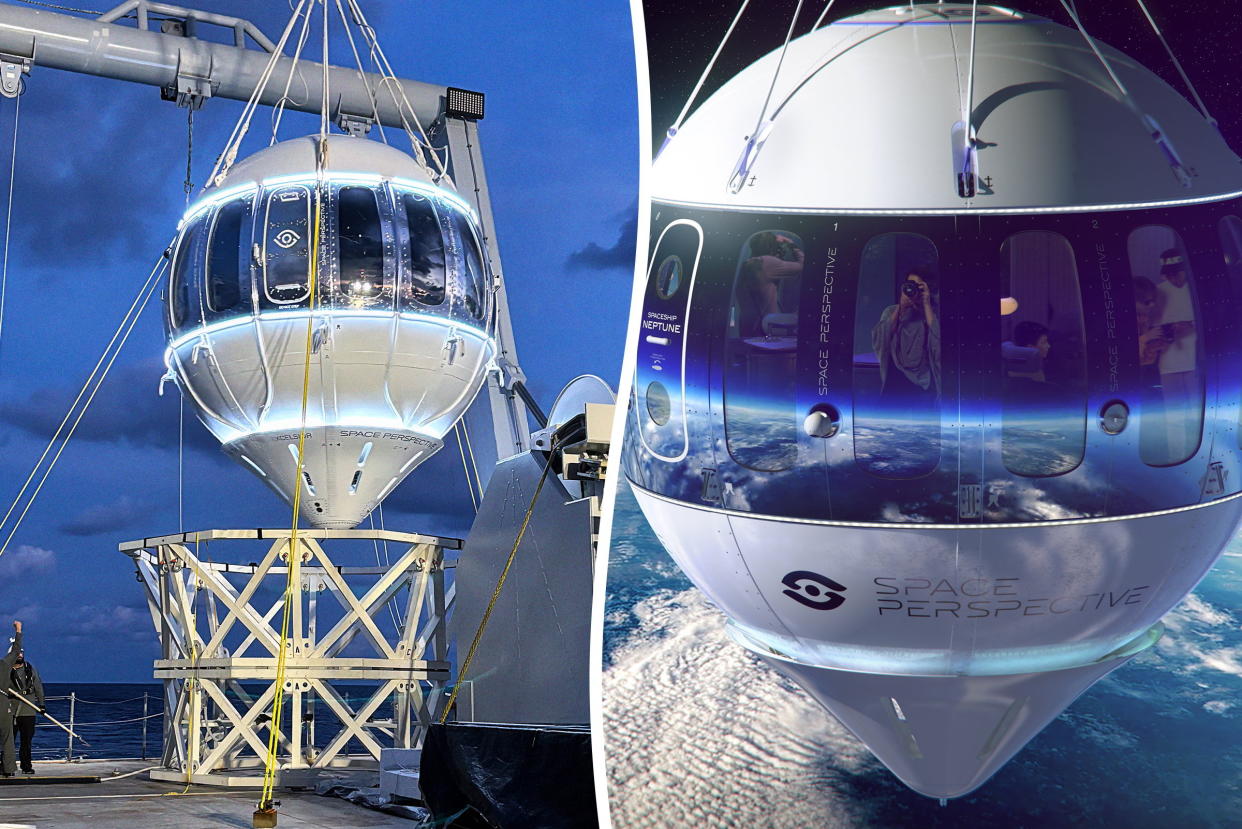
<point x="400" y="324"/>
<point x="944" y="418"/>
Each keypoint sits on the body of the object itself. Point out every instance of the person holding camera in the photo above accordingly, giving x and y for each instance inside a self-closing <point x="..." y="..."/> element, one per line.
<point x="906" y="341"/>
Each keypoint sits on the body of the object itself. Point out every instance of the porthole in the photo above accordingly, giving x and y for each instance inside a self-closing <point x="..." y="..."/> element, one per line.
<point x="668" y="277"/>
<point x="659" y="405"/>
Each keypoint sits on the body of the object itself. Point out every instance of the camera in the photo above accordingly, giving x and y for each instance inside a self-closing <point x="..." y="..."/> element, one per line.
<point x="911" y="288"/>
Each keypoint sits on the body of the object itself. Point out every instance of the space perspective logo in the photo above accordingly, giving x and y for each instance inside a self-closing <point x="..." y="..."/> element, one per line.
<point x="813" y="590"/>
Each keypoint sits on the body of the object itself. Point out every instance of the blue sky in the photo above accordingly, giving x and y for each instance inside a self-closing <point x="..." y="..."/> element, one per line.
<point x="98" y="192"/>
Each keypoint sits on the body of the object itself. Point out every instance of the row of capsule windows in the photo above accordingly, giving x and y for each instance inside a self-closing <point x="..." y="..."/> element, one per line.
<point x="383" y="248"/>
<point x="898" y="368"/>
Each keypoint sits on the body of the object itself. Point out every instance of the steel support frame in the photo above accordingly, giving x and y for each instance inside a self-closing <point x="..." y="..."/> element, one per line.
<point x="215" y="729"/>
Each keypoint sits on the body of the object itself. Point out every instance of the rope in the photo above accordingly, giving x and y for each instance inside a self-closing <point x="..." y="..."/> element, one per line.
<point x="491" y="605"/>
<point x="676" y="125"/>
<point x="61" y="8"/>
<point x="474" y="465"/>
<point x="8" y="213"/>
<point x="273" y="740"/>
<point x="109" y="354"/>
<point x="779" y="63"/>
<point x="279" y="111"/>
<point x="461" y="448"/>
<point x="1178" y="64"/>
<point x="822" y="15"/>
<point x="362" y="75"/>
<point x="229" y="154"/>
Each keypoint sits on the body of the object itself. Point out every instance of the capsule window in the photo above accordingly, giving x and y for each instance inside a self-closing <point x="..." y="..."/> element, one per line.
<point x="1231" y="245"/>
<point x="226" y="292"/>
<point x="1170" y="354"/>
<point x="286" y="245"/>
<point x="425" y="283"/>
<point x="185" y="290"/>
<point x="897" y="357"/>
<point x="761" y="352"/>
<point x="1043" y="352"/>
<point x="360" y="237"/>
<point x="473" y="273"/>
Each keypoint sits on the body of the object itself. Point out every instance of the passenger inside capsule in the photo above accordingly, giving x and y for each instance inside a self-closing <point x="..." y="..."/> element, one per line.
<point x="906" y="340"/>
<point x="775" y="259"/>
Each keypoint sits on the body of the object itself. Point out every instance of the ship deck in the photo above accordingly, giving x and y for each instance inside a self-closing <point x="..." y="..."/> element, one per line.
<point x="138" y="801"/>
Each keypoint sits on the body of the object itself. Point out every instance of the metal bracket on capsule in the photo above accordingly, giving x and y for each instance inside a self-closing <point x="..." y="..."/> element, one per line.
<point x="754" y="143"/>
<point x="1170" y="153"/>
<point x="12" y="67"/>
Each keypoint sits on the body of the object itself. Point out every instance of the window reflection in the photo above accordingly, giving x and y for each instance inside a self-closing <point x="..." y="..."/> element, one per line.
<point x="1231" y="245"/>
<point x="225" y="291"/>
<point x="426" y="251"/>
<point x="1166" y="310"/>
<point x="761" y="422"/>
<point x="897" y="357"/>
<point x="186" y="293"/>
<point x="473" y="274"/>
<point x="361" y="280"/>
<point x="1044" y="413"/>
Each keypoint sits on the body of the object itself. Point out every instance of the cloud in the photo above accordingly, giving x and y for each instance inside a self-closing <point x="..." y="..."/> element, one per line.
<point x="25" y="561"/>
<point x="104" y="518"/>
<point x="117" y="414"/>
<point x="620" y="256"/>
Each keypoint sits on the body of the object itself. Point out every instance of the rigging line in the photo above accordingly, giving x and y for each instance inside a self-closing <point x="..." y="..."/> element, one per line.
<point x="229" y="154"/>
<point x="779" y="63"/>
<point x="474" y="465"/>
<point x="82" y="392"/>
<point x="970" y="77"/>
<point x="284" y="95"/>
<point x="823" y="14"/>
<point x="504" y="574"/>
<point x="469" y="486"/>
<point x="676" y="125"/>
<point x="1177" y="63"/>
<point x="378" y="563"/>
<point x="294" y="547"/>
<point x="324" y="98"/>
<point x="1072" y="11"/>
<point x="69" y="436"/>
<point x="390" y="79"/>
<point x="180" y="460"/>
<point x="362" y="75"/>
<point x="8" y="213"/>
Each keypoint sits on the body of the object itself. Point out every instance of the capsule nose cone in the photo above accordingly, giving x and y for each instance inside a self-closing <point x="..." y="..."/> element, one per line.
<point x="345" y="472"/>
<point x="944" y="736"/>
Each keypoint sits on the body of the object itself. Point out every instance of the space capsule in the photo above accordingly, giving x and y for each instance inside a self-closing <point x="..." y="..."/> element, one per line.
<point x="400" y="322"/>
<point x="938" y="393"/>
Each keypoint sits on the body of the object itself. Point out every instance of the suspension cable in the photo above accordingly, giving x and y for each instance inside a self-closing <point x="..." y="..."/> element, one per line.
<point x="474" y="465"/>
<point x="8" y="213"/>
<point x="779" y="63"/>
<point x="500" y="583"/>
<point x="822" y="15"/>
<point x="362" y="75"/>
<point x="127" y="323"/>
<point x="279" y="110"/>
<point x="465" y="468"/>
<point x="681" y="116"/>
<point x="1178" y="64"/>
<point x="266" y="804"/>
<point x="229" y="154"/>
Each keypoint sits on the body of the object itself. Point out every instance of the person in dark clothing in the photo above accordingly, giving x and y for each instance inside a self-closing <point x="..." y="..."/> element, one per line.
<point x="25" y="680"/>
<point x="8" y="761"/>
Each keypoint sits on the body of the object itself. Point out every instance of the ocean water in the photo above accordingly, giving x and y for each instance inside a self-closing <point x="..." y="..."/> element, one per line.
<point x="702" y="734"/>
<point x="110" y="718"/>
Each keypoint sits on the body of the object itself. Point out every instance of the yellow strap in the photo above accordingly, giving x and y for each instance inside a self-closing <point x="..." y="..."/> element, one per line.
<point x="273" y="738"/>
<point x="491" y="605"/>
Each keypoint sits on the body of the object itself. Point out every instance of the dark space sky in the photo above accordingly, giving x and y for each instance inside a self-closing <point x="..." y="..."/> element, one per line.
<point x="1206" y="36"/>
<point x="98" y="193"/>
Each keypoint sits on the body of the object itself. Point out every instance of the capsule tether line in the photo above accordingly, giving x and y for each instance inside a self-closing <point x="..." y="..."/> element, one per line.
<point x="500" y="583"/>
<point x="265" y="814"/>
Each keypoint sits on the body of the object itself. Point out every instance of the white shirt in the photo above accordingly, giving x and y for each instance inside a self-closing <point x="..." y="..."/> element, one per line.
<point x="1177" y="306"/>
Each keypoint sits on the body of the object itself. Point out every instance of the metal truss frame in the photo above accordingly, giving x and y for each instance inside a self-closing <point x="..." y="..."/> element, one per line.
<point x="215" y="729"/>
